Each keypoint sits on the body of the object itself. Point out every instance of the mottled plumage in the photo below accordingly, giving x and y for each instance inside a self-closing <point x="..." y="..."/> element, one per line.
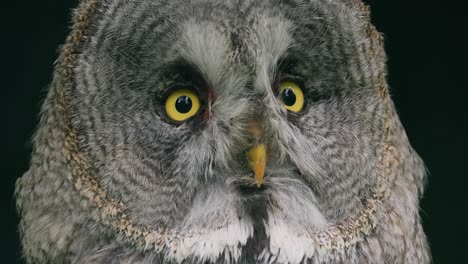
<point x="114" y="180"/>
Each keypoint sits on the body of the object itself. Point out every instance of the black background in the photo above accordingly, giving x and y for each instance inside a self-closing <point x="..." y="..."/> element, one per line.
<point x="425" y="42"/>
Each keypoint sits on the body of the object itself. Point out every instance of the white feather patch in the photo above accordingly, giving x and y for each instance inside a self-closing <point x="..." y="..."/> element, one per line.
<point x="211" y="245"/>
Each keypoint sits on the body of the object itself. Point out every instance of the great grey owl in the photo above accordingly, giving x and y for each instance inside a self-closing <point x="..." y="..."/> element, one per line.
<point x="233" y="131"/>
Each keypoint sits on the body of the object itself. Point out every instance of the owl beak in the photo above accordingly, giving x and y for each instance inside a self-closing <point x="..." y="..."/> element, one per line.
<point x="257" y="161"/>
<point x="257" y="155"/>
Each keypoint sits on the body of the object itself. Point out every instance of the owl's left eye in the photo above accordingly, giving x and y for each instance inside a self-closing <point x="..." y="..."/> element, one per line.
<point x="291" y="96"/>
<point x="182" y="104"/>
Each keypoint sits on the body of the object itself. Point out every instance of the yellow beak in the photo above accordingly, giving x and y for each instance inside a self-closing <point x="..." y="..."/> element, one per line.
<point x="257" y="161"/>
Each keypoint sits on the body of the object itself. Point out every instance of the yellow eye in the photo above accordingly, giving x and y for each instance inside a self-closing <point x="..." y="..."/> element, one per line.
<point x="292" y="96"/>
<point x="182" y="104"/>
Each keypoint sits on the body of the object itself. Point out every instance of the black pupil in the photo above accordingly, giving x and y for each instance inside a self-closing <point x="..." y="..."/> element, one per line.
<point x="183" y="104"/>
<point x="288" y="96"/>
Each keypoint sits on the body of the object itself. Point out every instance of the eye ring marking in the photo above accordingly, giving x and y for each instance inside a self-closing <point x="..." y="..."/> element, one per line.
<point x="182" y="104"/>
<point x="291" y="96"/>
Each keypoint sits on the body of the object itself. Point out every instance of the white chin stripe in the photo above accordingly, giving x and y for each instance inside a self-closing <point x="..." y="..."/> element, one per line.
<point x="289" y="243"/>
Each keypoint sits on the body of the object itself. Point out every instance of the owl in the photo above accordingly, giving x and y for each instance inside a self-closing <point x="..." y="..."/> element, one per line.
<point x="233" y="131"/>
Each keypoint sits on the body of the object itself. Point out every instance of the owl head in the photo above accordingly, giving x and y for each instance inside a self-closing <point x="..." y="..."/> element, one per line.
<point x="223" y="130"/>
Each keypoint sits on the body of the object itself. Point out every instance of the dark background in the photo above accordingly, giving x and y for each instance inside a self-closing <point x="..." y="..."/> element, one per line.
<point x="425" y="42"/>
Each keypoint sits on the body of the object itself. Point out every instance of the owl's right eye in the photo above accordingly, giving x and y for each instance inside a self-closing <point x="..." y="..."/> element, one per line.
<point x="182" y="104"/>
<point x="291" y="96"/>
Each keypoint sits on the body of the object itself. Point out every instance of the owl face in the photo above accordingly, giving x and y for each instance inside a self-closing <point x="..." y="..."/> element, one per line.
<point x="237" y="122"/>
